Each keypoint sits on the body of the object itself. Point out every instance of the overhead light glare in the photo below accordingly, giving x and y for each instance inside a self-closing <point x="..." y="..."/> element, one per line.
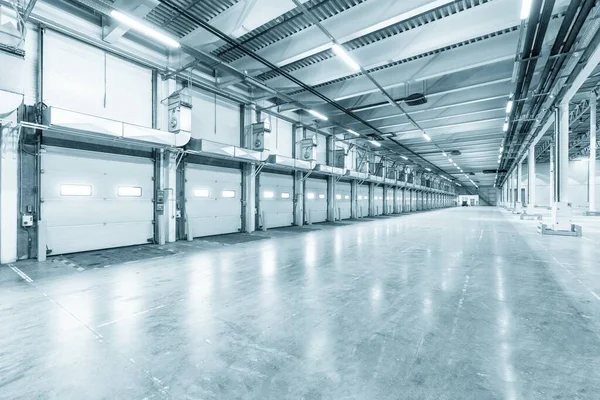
<point x="144" y="29"/>
<point x="374" y="143"/>
<point x="505" y="127"/>
<point x="352" y="132"/>
<point x="525" y="9"/>
<point x="509" y="106"/>
<point x="450" y="160"/>
<point x="426" y="136"/>
<point x="341" y="53"/>
<point x="444" y="154"/>
<point x="404" y="158"/>
<point x="318" y="115"/>
<point x="428" y="169"/>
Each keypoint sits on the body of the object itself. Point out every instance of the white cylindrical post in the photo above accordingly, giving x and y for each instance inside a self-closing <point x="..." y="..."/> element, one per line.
<point x="531" y="180"/>
<point x="592" y="169"/>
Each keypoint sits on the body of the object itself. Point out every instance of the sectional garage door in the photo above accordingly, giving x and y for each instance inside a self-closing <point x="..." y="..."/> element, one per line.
<point x="277" y="199"/>
<point x="342" y="199"/>
<point x="212" y="199"/>
<point x="378" y="198"/>
<point x="315" y="192"/>
<point x="397" y="200"/>
<point x="95" y="200"/>
<point x="363" y="201"/>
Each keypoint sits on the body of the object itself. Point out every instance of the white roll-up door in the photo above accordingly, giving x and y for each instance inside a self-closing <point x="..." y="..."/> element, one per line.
<point x="363" y="201"/>
<point x="277" y="199"/>
<point x="212" y="199"/>
<point x="95" y="201"/>
<point x="342" y="199"/>
<point x="378" y="200"/>
<point x="316" y="200"/>
<point x="397" y="200"/>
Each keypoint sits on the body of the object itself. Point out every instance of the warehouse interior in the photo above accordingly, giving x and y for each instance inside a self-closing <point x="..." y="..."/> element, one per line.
<point x="299" y="199"/>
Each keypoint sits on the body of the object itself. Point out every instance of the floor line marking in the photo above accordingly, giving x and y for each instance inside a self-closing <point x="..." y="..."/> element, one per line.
<point x="132" y="315"/>
<point x="22" y="274"/>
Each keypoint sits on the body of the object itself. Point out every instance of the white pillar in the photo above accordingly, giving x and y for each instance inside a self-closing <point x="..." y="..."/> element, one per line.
<point x="592" y="161"/>
<point x="298" y="198"/>
<point x="531" y="180"/>
<point x="551" y="175"/>
<point x="170" y="186"/>
<point x="8" y="191"/>
<point x="562" y="154"/>
<point x="561" y="210"/>
<point x="519" y="199"/>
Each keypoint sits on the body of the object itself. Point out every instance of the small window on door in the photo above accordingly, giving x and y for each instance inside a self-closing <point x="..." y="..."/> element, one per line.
<point x="228" y="194"/>
<point x="202" y="193"/>
<point x="346" y="197"/>
<point x="321" y="196"/>
<point x="338" y="196"/>
<point x="268" y="195"/>
<point x="75" y="190"/>
<point x="285" y="195"/>
<point x="310" y="196"/>
<point x="360" y="197"/>
<point x="129" y="191"/>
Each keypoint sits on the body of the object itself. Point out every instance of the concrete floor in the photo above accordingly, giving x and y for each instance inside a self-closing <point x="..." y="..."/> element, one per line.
<point x="464" y="303"/>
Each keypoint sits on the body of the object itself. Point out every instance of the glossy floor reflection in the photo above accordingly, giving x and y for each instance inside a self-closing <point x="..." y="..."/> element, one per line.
<point x="463" y="303"/>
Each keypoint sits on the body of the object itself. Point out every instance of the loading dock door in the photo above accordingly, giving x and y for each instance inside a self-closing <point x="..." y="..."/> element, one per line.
<point x="378" y="200"/>
<point x="316" y="200"/>
<point x="212" y="199"/>
<point x="95" y="200"/>
<point x="363" y="201"/>
<point x="342" y="199"/>
<point x="277" y="199"/>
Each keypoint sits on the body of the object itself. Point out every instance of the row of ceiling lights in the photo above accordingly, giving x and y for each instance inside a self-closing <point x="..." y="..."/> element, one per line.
<point x="525" y="10"/>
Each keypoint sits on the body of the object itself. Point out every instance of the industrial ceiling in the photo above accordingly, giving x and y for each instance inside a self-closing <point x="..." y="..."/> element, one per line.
<point x="461" y="61"/>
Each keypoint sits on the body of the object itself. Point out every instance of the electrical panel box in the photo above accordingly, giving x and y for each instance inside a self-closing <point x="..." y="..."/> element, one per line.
<point x="258" y="135"/>
<point x="27" y="220"/>
<point x="339" y="158"/>
<point x="307" y="149"/>
<point x="180" y="111"/>
<point x="160" y="201"/>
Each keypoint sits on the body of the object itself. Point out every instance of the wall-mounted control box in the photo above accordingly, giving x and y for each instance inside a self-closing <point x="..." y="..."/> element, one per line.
<point x="27" y="220"/>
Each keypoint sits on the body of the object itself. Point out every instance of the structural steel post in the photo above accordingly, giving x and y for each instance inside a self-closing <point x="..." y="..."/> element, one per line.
<point x="592" y="160"/>
<point x="562" y="153"/>
<point x="531" y="180"/>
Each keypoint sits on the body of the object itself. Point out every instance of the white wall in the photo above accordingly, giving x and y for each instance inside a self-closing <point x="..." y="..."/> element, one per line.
<point x="578" y="183"/>
<point x="19" y="75"/>
<point x="215" y="119"/>
<point x="83" y="78"/>
<point x="281" y="137"/>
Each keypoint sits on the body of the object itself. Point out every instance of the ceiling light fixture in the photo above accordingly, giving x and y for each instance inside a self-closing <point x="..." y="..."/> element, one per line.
<point x="404" y="158"/>
<point x="318" y="115"/>
<point x="352" y="132"/>
<point x="444" y="154"/>
<point x="509" y="106"/>
<point x="144" y="29"/>
<point x="428" y="169"/>
<point x="426" y="136"/>
<point x="374" y="143"/>
<point x="505" y="127"/>
<point x="341" y="52"/>
<point x="525" y="9"/>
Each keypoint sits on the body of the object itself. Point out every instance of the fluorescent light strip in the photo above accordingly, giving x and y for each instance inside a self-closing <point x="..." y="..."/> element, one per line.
<point x="525" y="9"/>
<point x="505" y="127"/>
<point x="318" y="115"/>
<point x="374" y="143"/>
<point x="404" y="158"/>
<point x="426" y="136"/>
<point x="143" y="28"/>
<point x="352" y="132"/>
<point x="509" y="106"/>
<point x="341" y="53"/>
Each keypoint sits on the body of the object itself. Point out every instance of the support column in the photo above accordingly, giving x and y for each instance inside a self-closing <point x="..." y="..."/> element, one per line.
<point x="331" y="202"/>
<point x="298" y="198"/>
<point x="9" y="190"/>
<point x="592" y="160"/>
<point x="511" y="192"/>
<point x="561" y="209"/>
<point x="354" y="199"/>
<point x="170" y="187"/>
<point x="551" y="175"/>
<point x="371" y="199"/>
<point x="531" y="180"/>
<point x="519" y="198"/>
<point x="386" y="203"/>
